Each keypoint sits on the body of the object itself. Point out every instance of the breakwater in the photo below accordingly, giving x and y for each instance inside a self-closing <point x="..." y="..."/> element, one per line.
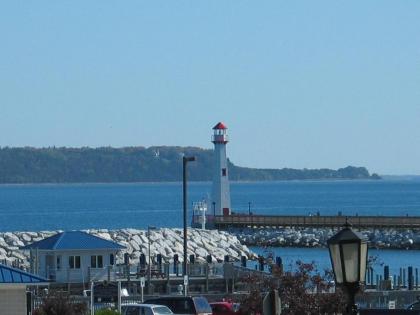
<point x="218" y="244"/>
<point x="317" y="237"/>
<point x="164" y="241"/>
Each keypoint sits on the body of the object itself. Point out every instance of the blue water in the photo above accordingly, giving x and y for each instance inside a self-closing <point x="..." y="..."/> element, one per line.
<point x="395" y="259"/>
<point x="80" y="206"/>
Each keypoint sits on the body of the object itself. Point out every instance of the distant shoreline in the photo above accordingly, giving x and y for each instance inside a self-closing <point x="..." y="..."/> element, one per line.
<point x="139" y="164"/>
<point x="207" y="181"/>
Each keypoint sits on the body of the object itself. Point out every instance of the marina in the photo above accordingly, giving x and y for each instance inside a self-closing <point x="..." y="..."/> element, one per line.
<point x="212" y="257"/>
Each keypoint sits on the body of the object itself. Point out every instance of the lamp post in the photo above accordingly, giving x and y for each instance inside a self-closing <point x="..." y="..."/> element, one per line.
<point x="149" y="275"/>
<point x="348" y="252"/>
<point x="185" y="160"/>
<point x="249" y="207"/>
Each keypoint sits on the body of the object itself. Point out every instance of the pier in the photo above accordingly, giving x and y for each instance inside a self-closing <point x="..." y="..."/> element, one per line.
<point x="257" y="221"/>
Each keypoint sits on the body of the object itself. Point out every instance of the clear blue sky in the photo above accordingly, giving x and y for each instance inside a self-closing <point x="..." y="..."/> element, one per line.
<point x="299" y="83"/>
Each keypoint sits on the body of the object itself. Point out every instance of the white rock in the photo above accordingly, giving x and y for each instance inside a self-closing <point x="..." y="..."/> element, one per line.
<point x="201" y="252"/>
<point x="134" y="245"/>
<point x="105" y="236"/>
<point x="26" y="237"/>
<point x="137" y="239"/>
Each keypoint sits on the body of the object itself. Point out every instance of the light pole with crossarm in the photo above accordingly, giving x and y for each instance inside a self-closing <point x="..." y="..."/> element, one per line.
<point x="149" y="275"/>
<point x="185" y="160"/>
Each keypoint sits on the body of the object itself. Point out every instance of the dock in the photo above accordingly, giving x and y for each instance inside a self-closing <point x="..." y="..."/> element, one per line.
<point x="320" y="221"/>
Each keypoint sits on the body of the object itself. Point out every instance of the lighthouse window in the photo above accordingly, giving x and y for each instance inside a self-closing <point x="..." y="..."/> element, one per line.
<point x="223" y="172"/>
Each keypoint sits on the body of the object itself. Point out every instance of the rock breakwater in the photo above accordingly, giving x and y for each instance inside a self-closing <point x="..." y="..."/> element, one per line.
<point x="316" y="237"/>
<point x="165" y="241"/>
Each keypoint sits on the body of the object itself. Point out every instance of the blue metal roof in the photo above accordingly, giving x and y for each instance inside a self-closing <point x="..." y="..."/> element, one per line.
<point x="73" y="240"/>
<point x="17" y="276"/>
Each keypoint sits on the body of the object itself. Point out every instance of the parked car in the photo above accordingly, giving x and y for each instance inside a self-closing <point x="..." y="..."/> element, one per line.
<point x="414" y="306"/>
<point x="145" y="309"/>
<point x="184" y="305"/>
<point x="225" y="308"/>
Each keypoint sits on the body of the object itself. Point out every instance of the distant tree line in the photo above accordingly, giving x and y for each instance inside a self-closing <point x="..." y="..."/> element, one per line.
<point x="139" y="164"/>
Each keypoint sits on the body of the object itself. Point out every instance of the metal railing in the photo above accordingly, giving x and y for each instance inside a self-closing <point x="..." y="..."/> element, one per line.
<point x="76" y="275"/>
<point x="317" y="221"/>
<point x="169" y="270"/>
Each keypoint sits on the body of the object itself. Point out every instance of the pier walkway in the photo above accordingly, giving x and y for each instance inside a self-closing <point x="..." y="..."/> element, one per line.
<point x="257" y="221"/>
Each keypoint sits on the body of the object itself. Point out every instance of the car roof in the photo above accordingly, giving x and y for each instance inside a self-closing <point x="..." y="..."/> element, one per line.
<point x="142" y="304"/>
<point x="174" y="297"/>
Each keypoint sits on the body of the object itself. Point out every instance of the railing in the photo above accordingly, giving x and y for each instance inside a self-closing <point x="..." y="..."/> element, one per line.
<point x="65" y="275"/>
<point x="169" y="270"/>
<point x="220" y="138"/>
<point x="316" y="221"/>
<point x="97" y="274"/>
<point x="82" y="275"/>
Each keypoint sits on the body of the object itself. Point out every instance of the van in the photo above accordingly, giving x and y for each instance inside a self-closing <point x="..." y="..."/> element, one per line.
<point x="184" y="305"/>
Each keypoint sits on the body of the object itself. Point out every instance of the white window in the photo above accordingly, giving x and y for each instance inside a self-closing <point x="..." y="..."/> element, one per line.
<point x="74" y="262"/>
<point x="96" y="261"/>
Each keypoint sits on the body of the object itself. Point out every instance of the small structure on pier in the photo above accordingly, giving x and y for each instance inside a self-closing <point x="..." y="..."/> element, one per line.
<point x="200" y="214"/>
<point x="73" y="257"/>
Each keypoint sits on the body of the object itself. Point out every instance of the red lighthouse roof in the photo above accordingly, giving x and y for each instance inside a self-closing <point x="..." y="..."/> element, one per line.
<point x="220" y="125"/>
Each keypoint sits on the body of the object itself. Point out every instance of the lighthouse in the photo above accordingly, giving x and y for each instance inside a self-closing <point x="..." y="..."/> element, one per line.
<point x="220" y="198"/>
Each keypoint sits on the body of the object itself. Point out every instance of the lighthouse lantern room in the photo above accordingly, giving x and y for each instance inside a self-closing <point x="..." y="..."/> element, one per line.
<point x="220" y="191"/>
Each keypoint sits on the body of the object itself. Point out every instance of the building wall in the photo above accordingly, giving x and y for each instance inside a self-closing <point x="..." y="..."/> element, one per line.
<point x="12" y="299"/>
<point x="75" y="275"/>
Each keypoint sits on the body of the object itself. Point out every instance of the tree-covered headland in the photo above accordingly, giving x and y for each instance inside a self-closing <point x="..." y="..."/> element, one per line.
<point x="139" y="164"/>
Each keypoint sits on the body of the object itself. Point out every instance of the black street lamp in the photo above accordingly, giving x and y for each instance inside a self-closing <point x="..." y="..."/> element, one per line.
<point x="348" y="253"/>
<point x="185" y="160"/>
<point x="149" y="274"/>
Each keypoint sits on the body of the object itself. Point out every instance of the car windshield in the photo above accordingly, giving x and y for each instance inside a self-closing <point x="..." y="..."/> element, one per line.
<point x="182" y="306"/>
<point x="415" y="306"/>
<point x="236" y="307"/>
<point x="202" y="305"/>
<point x="161" y="310"/>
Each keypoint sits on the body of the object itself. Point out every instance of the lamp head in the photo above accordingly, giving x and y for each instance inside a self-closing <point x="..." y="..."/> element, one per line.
<point x="348" y="253"/>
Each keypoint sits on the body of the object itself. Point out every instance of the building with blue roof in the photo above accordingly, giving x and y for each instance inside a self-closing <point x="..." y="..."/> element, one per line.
<point x="13" y="284"/>
<point x="13" y="276"/>
<point x="74" y="257"/>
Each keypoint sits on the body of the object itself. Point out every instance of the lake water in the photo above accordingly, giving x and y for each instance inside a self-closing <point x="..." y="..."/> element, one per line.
<point x="82" y="206"/>
<point x="395" y="259"/>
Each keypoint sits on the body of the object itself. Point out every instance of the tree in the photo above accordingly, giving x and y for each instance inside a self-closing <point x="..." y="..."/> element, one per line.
<point x="60" y="303"/>
<point x="303" y="291"/>
<point x="137" y="164"/>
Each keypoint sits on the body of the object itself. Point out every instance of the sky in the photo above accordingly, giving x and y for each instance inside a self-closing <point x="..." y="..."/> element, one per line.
<point x="301" y="84"/>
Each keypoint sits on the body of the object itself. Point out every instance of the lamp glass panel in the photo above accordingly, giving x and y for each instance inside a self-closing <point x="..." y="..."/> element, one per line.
<point x="351" y="261"/>
<point x="363" y="261"/>
<point x="336" y="261"/>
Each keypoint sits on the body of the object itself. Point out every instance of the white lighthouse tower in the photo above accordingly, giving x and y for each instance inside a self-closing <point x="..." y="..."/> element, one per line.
<point x="220" y="198"/>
